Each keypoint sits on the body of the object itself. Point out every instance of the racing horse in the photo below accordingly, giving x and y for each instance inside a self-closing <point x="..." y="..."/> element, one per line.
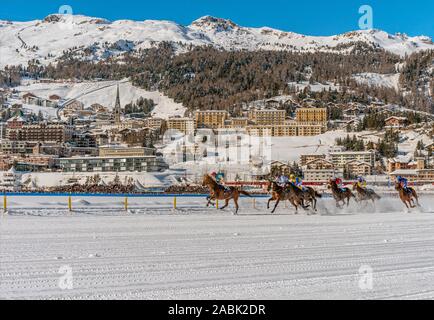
<point x="341" y="194"/>
<point x="219" y="192"/>
<point x="365" y="194"/>
<point x="310" y="195"/>
<point x="408" y="196"/>
<point x="275" y="190"/>
<point x="279" y="193"/>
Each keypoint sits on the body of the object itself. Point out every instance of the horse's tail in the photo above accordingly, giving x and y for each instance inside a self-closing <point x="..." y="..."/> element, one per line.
<point x="376" y="196"/>
<point x="245" y="193"/>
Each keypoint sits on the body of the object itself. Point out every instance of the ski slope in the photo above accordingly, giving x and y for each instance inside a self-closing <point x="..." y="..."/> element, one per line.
<point x="154" y="252"/>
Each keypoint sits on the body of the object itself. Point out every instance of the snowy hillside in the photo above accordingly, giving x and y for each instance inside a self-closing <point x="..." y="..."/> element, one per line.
<point x="104" y="93"/>
<point x="47" y="39"/>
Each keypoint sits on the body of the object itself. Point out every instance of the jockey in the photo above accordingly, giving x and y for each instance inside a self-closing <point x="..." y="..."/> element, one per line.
<point x="218" y="177"/>
<point x="340" y="184"/>
<point x="403" y="182"/>
<point x="213" y="175"/>
<point x="361" y="182"/>
<point x="299" y="183"/>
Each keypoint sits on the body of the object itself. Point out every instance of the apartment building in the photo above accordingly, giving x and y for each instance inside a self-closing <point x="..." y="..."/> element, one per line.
<point x="16" y="147"/>
<point x="125" y="151"/>
<point x="418" y="175"/>
<point x="321" y="175"/>
<point x="237" y="123"/>
<point x="400" y="163"/>
<point x="29" y="162"/>
<point x="340" y="159"/>
<point x="41" y="132"/>
<point x="312" y="115"/>
<point x="305" y="158"/>
<point x="112" y="164"/>
<point x="155" y="123"/>
<point x="212" y="119"/>
<point x="357" y="168"/>
<point x="184" y="125"/>
<point x="267" y="116"/>
<point x="289" y="129"/>
<point x="320" y="164"/>
<point x="310" y="129"/>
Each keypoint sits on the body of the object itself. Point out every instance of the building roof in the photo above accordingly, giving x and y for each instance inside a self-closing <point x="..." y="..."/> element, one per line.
<point x="351" y="152"/>
<point x="29" y="94"/>
<point x="17" y="118"/>
<point x="404" y="172"/>
<point x="359" y="162"/>
<point x="396" y="118"/>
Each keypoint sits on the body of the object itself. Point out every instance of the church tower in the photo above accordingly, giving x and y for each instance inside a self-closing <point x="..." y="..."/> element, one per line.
<point x="117" y="110"/>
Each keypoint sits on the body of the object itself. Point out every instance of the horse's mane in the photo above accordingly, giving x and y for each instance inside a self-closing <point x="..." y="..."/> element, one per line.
<point x="209" y="180"/>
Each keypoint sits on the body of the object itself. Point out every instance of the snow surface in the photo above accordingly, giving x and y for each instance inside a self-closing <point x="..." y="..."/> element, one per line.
<point x="24" y="41"/>
<point x="379" y="80"/>
<point x="153" y="252"/>
<point x="315" y="87"/>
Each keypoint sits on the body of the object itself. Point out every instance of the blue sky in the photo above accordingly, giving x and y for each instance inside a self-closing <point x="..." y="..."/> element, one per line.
<point x="309" y="16"/>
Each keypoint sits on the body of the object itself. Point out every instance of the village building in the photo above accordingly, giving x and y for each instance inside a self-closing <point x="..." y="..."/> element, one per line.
<point x="124" y="151"/>
<point x="356" y="168"/>
<point x="400" y="163"/>
<point x="340" y="159"/>
<point x="16" y="147"/>
<point x="28" y="162"/>
<point x="211" y="119"/>
<point x="30" y="98"/>
<point x="41" y="132"/>
<point x="237" y="123"/>
<point x="305" y="158"/>
<point x="184" y="125"/>
<point x="267" y="116"/>
<point x="156" y="123"/>
<point x="320" y="164"/>
<point x="321" y="175"/>
<point x="112" y="164"/>
<point x="10" y="180"/>
<point x="396" y="122"/>
<point x="312" y="115"/>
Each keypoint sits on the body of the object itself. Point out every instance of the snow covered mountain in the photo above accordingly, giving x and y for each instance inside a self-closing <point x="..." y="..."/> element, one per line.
<point x="98" y="38"/>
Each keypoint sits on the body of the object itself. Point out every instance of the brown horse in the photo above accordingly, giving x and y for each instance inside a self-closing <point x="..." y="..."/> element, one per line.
<point x="310" y="195"/>
<point x="218" y="192"/>
<point x="275" y="190"/>
<point x="365" y="194"/>
<point x="407" y="196"/>
<point x="340" y="195"/>
<point x="279" y="193"/>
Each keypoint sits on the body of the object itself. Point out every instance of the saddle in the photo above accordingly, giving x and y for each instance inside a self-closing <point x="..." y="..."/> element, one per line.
<point x="223" y="188"/>
<point x="407" y="190"/>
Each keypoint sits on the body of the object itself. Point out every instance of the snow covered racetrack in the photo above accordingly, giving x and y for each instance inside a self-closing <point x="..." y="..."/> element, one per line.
<point x="208" y="254"/>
